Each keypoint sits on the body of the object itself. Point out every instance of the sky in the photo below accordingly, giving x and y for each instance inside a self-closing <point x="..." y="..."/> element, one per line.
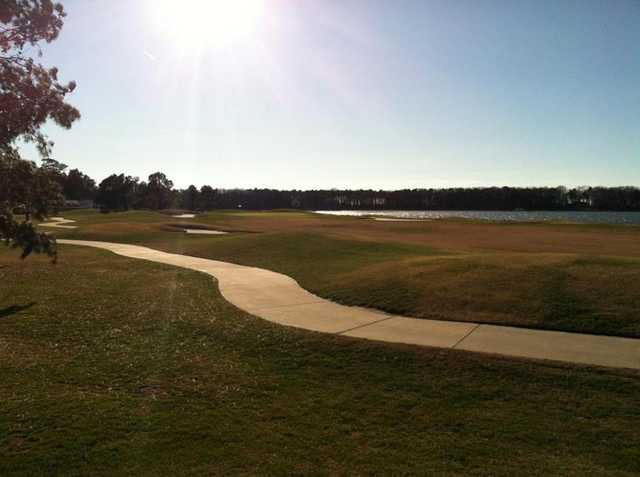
<point x="382" y="94"/>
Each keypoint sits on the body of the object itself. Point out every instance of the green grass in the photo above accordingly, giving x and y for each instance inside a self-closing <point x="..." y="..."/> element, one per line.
<point x="112" y="366"/>
<point x="577" y="292"/>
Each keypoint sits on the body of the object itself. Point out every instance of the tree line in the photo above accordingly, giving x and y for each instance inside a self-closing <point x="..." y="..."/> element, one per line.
<point x="122" y="192"/>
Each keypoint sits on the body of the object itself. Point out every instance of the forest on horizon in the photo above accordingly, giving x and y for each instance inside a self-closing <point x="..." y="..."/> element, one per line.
<point x="123" y="192"/>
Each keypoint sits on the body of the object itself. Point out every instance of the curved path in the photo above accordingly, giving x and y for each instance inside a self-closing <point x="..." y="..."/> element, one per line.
<point x="279" y="298"/>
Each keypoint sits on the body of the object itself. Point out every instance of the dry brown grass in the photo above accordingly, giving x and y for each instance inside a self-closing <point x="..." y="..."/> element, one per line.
<point x="451" y="234"/>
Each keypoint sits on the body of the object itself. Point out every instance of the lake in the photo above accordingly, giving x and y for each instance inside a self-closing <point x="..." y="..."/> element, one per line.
<point x="629" y="218"/>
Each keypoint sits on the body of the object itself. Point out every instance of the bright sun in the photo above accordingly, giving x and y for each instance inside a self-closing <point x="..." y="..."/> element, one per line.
<point x="207" y="22"/>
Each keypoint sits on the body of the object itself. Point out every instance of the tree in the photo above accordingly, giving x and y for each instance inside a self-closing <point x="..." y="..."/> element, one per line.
<point x="30" y="95"/>
<point x="190" y="198"/>
<point x="117" y="192"/>
<point x="208" y="198"/>
<point x="78" y="186"/>
<point x="158" y="194"/>
<point x="31" y="191"/>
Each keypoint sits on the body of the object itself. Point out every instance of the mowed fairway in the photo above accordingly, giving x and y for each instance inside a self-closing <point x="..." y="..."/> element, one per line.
<point x="112" y="366"/>
<point x="583" y="278"/>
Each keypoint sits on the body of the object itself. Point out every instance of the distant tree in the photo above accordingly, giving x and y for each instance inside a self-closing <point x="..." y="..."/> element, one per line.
<point x="78" y="186"/>
<point x="117" y="192"/>
<point x="158" y="194"/>
<point x="139" y="197"/>
<point x="208" y="198"/>
<point x="30" y="94"/>
<point x="190" y="198"/>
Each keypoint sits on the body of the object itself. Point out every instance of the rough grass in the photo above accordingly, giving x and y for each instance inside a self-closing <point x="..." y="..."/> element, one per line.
<point x="111" y="366"/>
<point x="581" y="291"/>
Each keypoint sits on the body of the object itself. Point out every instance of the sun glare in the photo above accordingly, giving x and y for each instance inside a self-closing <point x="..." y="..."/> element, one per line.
<point x="207" y="22"/>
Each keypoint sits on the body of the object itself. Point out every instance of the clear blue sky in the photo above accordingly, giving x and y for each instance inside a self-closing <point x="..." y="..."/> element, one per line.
<point x="356" y="93"/>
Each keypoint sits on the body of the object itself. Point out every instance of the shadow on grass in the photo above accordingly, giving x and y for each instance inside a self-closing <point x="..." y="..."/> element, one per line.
<point x="13" y="309"/>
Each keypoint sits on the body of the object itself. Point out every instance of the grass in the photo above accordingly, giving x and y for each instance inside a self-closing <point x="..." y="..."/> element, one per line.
<point x="112" y="366"/>
<point x="517" y="275"/>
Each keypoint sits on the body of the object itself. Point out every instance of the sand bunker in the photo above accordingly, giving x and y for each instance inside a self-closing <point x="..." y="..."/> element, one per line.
<point x="184" y="216"/>
<point x="396" y="219"/>
<point x="205" y="232"/>
<point x="59" y="223"/>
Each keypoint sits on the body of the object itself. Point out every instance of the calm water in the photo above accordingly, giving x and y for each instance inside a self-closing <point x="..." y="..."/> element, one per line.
<point x="632" y="218"/>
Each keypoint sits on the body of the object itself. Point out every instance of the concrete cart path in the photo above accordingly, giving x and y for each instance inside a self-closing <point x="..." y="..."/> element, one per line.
<point x="279" y="298"/>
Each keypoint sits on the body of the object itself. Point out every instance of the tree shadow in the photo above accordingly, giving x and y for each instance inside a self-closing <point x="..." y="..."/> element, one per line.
<point x="13" y="309"/>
